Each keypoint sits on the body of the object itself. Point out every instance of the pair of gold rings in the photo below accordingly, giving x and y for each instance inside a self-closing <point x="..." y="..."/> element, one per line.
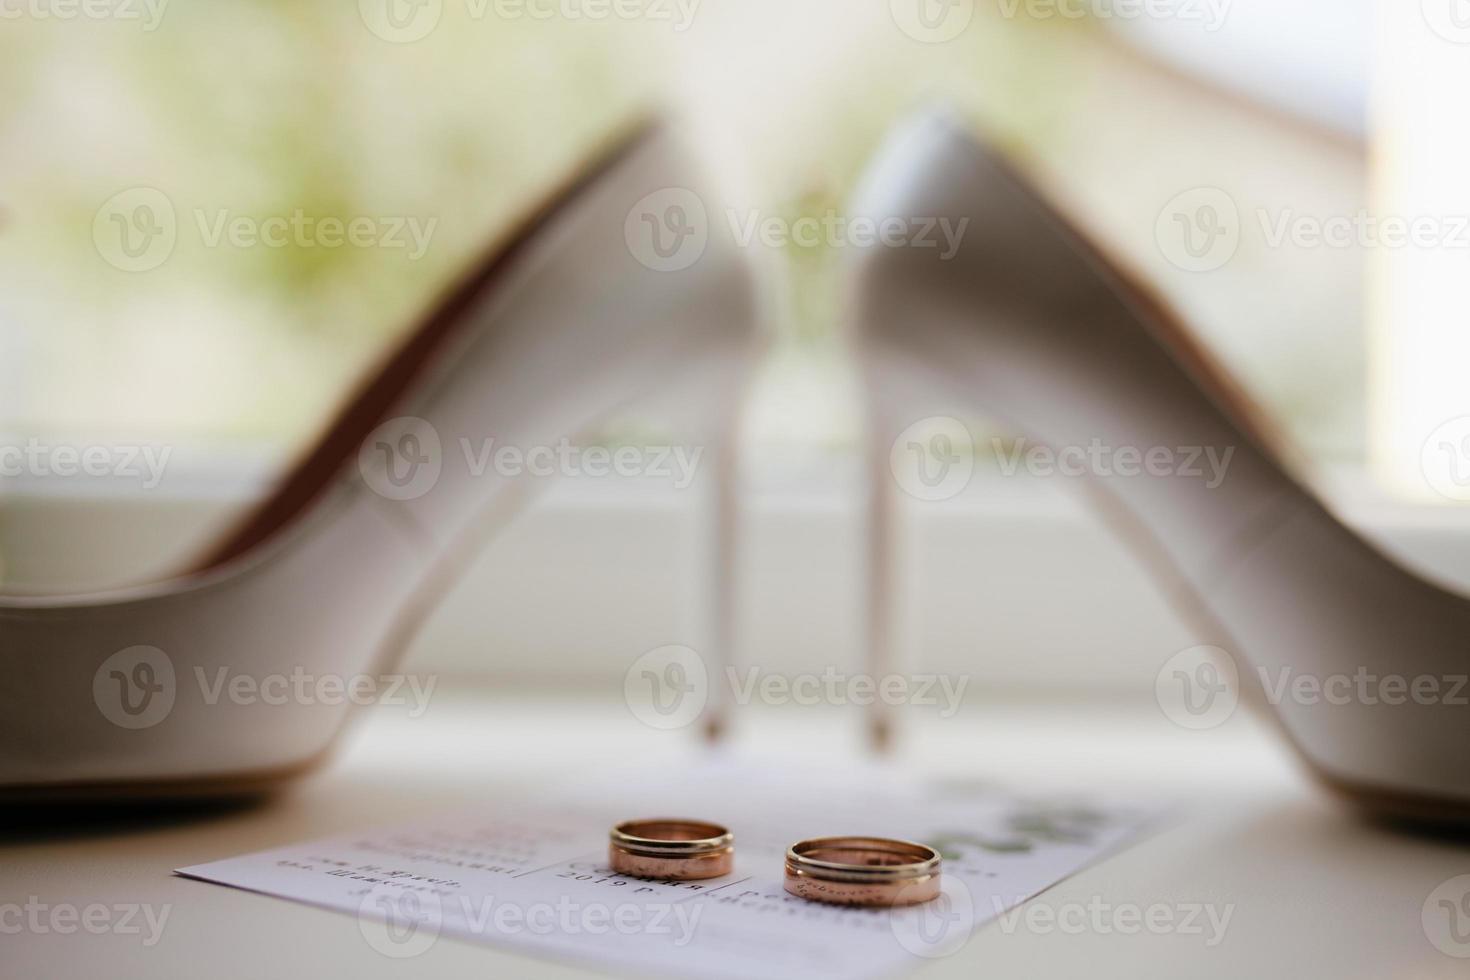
<point x="870" y="871"/>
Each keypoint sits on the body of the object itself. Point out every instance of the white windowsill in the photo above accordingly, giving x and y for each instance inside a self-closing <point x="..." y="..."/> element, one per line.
<point x="1013" y="582"/>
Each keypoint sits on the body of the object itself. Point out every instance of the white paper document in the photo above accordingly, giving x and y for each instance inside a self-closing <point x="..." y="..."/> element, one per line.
<point x="533" y="875"/>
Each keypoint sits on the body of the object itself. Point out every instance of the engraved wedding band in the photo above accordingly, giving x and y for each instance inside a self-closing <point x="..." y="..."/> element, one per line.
<point x="683" y="850"/>
<point x="872" y="871"/>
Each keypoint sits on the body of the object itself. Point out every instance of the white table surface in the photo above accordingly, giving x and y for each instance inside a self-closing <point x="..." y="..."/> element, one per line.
<point x="1316" y="892"/>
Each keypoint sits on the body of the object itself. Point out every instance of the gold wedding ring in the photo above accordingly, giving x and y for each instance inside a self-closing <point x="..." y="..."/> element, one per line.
<point x="872" y="871"/>
<point x="683" y="850"/>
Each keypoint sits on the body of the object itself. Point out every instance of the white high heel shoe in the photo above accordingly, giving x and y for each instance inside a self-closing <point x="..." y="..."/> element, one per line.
<point x="1032" y="325"/>
<point x="614" y="291"/>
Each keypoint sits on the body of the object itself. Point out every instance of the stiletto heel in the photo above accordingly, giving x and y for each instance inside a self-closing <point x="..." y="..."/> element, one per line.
<point x="713" y="604"/>
<point x="1032" y="325"/>
<point x="900" y="402"/>
<point x="881" y="573"/>
<point x="720" y="532"/>
<point x="607" y="296"/>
